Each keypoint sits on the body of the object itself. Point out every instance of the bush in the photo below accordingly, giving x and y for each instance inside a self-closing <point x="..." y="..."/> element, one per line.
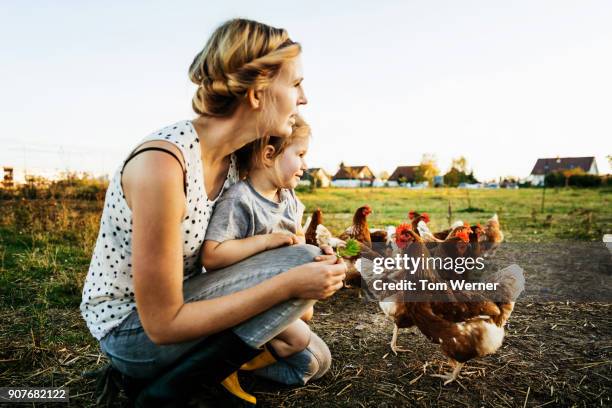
<point x="558" y="179"/>
<point x="82" y="187"/>
<point x="585" y="180"/>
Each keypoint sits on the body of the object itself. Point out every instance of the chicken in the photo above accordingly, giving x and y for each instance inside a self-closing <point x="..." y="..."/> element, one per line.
<point x="311" y="226"/>
<point x="493" y="236"/>
<point x="359" y="230"/>
<point x="410" y="243"/>
<point x="324" y="237"/>
<point x="473" y="334"/>
<point x="419" y="223"/>
<point x="467" y="324"/>
<point x="477" y="236"/>
<point x="400" y="311"/>
<point x="415" y="217"/>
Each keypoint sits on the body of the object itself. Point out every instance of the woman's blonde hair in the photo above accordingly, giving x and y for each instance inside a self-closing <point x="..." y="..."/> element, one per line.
<point x="240" y="55"/>
<point x="251" y="155"/>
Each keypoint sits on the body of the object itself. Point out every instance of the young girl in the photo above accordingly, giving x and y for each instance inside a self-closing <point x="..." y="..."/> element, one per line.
<point x="262" y="212"/>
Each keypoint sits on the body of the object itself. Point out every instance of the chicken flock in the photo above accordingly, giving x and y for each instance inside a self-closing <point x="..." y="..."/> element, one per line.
<point x="465" y="324"/>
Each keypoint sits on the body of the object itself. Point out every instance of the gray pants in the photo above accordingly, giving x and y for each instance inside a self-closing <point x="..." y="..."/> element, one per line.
<point x="133" y="353"/>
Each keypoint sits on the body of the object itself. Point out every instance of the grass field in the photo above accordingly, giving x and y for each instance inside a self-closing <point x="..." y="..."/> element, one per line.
<point x="568" y="214"/>
<point x="555" y="353"/>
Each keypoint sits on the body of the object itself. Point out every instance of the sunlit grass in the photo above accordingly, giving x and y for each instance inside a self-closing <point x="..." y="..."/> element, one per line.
<point x="583" y="214"/>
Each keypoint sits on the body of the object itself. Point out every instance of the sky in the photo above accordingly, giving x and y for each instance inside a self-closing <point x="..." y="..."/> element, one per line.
<point x="499" y="82"/>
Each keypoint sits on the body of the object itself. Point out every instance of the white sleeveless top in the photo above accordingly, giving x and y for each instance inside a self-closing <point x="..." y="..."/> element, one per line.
<point x="108" y="293"/>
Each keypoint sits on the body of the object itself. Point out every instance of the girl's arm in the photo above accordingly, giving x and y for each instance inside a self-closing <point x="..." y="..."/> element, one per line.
<point x="153" y="186"/>
<point x="299" y="235"/>
<point x="299" y="231"/>
<point x="216" y="255"/>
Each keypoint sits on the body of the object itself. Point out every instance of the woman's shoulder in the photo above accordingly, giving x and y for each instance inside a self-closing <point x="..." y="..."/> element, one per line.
<point x="181" y="133"/>
<point x="177" y="138"/>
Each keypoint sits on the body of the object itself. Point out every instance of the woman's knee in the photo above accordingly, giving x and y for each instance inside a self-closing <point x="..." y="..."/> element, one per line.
<point x="299" y="254"/>
<point x="321" y="354"/>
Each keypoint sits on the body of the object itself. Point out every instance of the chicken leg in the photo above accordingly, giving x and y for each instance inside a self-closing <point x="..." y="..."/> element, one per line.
<point x="452" y="376"/>
<point x="394" y="346"/>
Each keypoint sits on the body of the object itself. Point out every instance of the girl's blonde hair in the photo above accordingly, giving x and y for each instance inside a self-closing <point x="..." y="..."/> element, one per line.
<point x="251" y="155"/>
<point x="240" y="55"/>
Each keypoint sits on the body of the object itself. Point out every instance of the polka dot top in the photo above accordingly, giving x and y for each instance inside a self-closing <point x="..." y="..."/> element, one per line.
<point x="108" y="292"/>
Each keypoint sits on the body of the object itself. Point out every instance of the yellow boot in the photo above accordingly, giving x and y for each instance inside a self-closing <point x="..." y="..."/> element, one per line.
<point x="264" y="359"/>
<point x="232" y="384"/>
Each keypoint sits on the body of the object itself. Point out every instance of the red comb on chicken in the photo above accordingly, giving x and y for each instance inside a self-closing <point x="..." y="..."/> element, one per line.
<point x="414" y="215"/>
<point x="463" y="235"/>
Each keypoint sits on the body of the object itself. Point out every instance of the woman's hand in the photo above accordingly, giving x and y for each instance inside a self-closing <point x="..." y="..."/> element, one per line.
<point x="327" y="250"/>
<point x="279" y="239"/>
<point x="316" y="280"/>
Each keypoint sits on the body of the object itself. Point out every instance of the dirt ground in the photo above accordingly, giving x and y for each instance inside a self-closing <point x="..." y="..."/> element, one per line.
<point x="554" y="354"/>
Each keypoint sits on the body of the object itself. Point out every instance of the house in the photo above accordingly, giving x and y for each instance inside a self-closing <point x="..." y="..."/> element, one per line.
<point x="353" y="176"/>
<point x="546" y="166"/>
<point x="319" y="176"/>
<point x="402" y="174"/>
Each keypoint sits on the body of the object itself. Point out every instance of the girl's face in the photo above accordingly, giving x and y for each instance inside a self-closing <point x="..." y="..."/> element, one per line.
<point x="290" y="164"/>
<point x="286" y="95"/>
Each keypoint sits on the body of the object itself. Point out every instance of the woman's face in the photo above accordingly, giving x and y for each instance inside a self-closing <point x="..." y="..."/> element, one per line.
<point x="286" y="94"/>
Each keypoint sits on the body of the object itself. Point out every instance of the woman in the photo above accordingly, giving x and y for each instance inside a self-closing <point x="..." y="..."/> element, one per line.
<point x="158" y="319"/>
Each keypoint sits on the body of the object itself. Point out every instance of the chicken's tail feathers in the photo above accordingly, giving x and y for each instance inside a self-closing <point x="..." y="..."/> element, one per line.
<point x="307" y="223"/>
<point x="494" y="218"/>
<point x="426" y="233"/>
<point x="388" y="308"/>
<point x="325" y="237"/>
<point x="511" y="281"/>
<point x="458" y="223"/>
<point x="390" y="235"/>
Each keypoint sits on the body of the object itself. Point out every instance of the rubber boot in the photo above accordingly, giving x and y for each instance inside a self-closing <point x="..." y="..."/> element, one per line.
<point x="210" y="363"/>
<point x="109" y="381"/>
<point x="232" y="384"/>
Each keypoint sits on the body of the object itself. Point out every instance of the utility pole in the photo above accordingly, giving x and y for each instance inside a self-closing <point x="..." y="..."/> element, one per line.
<point x="544" y="189"/>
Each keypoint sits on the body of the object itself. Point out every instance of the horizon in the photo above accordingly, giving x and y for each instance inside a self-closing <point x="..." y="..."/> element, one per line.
<point x="500" y="84"/>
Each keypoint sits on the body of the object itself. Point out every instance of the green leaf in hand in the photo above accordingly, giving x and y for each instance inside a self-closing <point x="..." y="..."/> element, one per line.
<point x="351" y="249"/>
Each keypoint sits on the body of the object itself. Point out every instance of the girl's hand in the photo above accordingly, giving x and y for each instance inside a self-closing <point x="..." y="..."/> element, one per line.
<point x="316" y="280"/>
<point x="278" y="239"/>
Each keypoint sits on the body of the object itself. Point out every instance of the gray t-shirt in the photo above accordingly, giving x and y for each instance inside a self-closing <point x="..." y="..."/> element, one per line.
<point x="242" y="212"/>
